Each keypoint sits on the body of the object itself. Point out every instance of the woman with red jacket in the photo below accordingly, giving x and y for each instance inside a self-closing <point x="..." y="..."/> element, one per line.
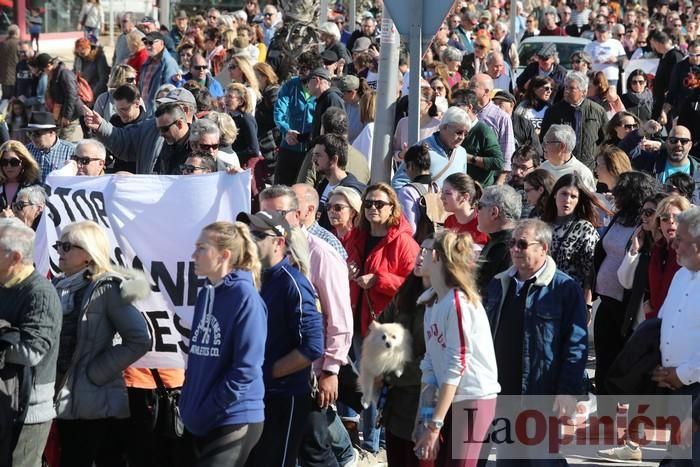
<point x="381" y="254"/>
<point x="662" y="263"/>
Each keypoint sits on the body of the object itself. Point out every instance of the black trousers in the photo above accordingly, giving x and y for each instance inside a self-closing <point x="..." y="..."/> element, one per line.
<point x="82" y="440"/>
<point x="133" y="439"/>
<point x="607" y="339"/>
<point x="288" y="166"/>
<point x="285" y="422"/>
<point x="227" y="446"/>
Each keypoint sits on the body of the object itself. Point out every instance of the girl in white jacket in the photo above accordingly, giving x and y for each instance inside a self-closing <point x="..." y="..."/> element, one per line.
<point x="459" y="360"/>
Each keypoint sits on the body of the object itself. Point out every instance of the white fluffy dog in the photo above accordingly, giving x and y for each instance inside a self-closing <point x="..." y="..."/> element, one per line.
<point x="386" y="349"/>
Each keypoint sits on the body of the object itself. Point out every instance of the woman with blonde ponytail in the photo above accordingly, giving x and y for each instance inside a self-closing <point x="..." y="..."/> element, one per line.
<point x="459" y="365"/>
<point x="222" y="399"/>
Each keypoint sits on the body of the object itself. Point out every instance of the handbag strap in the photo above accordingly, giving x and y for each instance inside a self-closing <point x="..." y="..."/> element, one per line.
<point x="447" y="166"/>
<point x="159" y="382"/>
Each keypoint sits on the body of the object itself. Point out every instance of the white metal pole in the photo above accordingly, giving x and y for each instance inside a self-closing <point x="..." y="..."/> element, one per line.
<point x="415" y="45"/>
<point x="387" y="87"/>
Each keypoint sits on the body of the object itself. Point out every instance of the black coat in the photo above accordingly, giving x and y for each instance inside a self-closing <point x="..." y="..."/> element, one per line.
<point x="63" y="90"/>
<point x="533" y="69"/>
<point x="524" y="132"/>
<point x="662" y="79"/>
<point x="332" y="97"/>
<point x="630" y="373"/>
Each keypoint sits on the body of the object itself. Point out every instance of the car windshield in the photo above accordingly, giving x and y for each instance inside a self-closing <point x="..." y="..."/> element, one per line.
<point x="566" y="50"/>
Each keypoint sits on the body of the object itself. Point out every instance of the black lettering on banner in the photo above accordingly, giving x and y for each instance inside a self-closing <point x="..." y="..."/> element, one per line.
<point x="174" y="288"/>
<point x="62" y="194"/>
<point x="159" y="331"/>
<point x="80" y="195"/>
<point x="98" y="202"/>
<point x="183" y="332"/>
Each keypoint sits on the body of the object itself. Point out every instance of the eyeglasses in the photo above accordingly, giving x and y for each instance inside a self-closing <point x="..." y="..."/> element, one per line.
<point x="131" y="79"/>
<point x="674" y="140"/>
<point x="164" y="129"/>
<point x="576" y="62"/>
<point x="337" y="207"/>
<point x="521" y="244"/>
<point x="375" y="203"/>
<point x="667" y="218"/>
<point x="630" y="126"/>
<point x="189" y="169"/>
<point x="66" y="246"/>
<point x="18" y="206"/>
<point x="268" y="14"/>
<point x="147" y="42"/>
<point x="200" y="67"/>
<point x="83" y="160"/>
<point x="259" y="235"/>
<point x="207" y="147"/>
<point x="14" y="162"/>
<point x="638" y="81"/>
<point x="547" y="88"/>
<point x="647" y="212"/>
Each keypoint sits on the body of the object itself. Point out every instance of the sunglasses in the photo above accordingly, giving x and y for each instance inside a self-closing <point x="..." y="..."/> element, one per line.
<point x="66" y="246"/>
<point x="207" y="147"/>
<point x="131" y="79"/>
<point x="148" y="43"/>
<point x="674" y="140"/>
<point x="647" y="212"/>
<point x="189" y="169"/>
<point x="375" y="203"/>
<point x="200" y="67"/>
<point x="548" y="88"/>
<point x="82" y="160"/>
<point x="638" y="81"/>
<point x="258" y="235"/>
<point x="164" y="129"/>
<point x="11" y="162"/>
<point x="20" y="205"/>
<point x="667" y="218"/>
<point x="521" y="244"/>
<point x="630" y="126"/>
<point x="337" y="207"/>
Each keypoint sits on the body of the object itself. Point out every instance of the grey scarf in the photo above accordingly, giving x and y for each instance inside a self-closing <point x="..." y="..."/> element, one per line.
<point x="68" y="286"/>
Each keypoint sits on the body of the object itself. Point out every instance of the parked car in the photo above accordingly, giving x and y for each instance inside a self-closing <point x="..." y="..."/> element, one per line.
<point x="566" y="46"/>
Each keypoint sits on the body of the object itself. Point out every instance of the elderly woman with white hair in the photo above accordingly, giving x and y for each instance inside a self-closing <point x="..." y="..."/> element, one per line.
<point x="97" y="303"/>
<point x="205" y="137"/>
<point x="452" y="57"/>
<point x="558" y="144"/>
<point x="343" y="207"/>
<point x="330" y="35"/>
<point x="447" y="156"/>
<point x="29" y="205"/>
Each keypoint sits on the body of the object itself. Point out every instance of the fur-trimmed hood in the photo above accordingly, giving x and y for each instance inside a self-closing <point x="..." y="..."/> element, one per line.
<point x="134" y="283"/>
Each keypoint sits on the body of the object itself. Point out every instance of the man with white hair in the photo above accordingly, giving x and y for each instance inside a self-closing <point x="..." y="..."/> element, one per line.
<point x="330" y="35"/>
<point x="575" y="110"/>
<point x="29" y="303"/>
<point x="271" y="23"/>
<point x="90" y="157"/>
<point x="679" y="370"/>
<point x="499" y="71"/>
<point x="492" y="115"/>
<point x="213" y="17"/>
<point x="558" y="143"/>
<point x="508" y="49"/>
<point x="121" y="50"/>
<point x="205" y="138"/>
<point x="447" y="156"/>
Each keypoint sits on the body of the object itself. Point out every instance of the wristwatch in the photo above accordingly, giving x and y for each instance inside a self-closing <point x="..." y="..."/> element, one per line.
<point x="435" y="425"/>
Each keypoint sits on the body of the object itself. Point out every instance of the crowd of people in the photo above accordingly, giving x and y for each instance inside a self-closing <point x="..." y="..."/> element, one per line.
<point x="527" y="202"/>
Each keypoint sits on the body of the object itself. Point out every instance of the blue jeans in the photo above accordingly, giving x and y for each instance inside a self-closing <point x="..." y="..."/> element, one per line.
<point x="368" y="418"/>
<point x="340" y="441"/>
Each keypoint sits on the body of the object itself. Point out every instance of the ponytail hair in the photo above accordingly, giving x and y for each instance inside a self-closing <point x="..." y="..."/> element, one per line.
<point x="458" y="261"/>
<point x="236" y="238"/>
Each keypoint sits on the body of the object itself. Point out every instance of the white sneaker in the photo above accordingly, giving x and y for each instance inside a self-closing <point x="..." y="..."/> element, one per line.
<point x="624" y="453"/>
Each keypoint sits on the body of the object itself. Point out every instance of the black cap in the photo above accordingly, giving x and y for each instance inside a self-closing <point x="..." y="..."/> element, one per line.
<point x="318" y="73"/>
<point x="263" y="220"/>
<point x="154" y="36"/>
<point x="41" y="61"/>
<point x="329" y="57"/>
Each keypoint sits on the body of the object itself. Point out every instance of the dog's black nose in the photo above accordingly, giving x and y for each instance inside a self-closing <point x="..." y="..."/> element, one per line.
<point x="388" y="345"/>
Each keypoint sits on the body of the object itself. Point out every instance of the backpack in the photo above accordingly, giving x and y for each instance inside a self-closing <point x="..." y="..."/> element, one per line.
<point x="85" y="93"/>
<point x="432" y="212"/>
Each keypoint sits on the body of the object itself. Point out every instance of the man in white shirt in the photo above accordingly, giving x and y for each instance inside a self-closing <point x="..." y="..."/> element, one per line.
<point x="680" y="321"/>
<point x="558" y="144"/>
<point x="607" y="54"/>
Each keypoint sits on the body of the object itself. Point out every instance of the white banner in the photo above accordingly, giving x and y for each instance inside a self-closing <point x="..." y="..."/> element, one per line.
<point x="152" y="223"/>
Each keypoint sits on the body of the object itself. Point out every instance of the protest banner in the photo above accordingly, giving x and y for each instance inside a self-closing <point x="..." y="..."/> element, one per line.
<point x="152" y="223"/>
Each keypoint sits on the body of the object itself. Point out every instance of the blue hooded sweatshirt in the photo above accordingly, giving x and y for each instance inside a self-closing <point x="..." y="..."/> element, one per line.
<point x="294" y="322"/>
<point x="294" y="110"/>
<point x="224" y="378"/>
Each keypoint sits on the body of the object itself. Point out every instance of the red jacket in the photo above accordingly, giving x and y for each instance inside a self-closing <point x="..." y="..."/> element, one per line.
<point x="136" y="61"/>
<point x="662" y="267"/>
<point x="392" y="260"/>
